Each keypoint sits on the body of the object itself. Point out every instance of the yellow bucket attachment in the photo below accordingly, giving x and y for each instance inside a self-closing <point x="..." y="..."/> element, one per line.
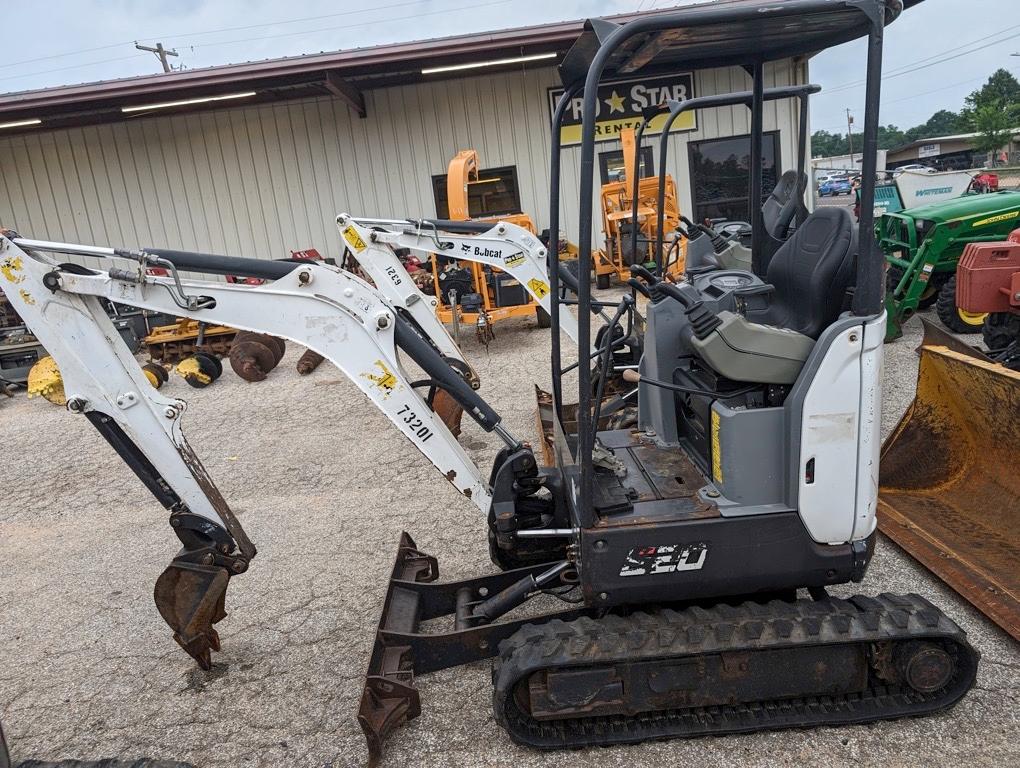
<point x="949" y="482"/>
<point x="44" y="380"/>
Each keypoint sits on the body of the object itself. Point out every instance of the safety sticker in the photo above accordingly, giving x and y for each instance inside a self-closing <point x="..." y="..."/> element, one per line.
<point x="514" y="259"/>
<point x="538" y="287"/>
<point x="26" y="296"/>
<point x="716" y="449"/>
<point x="384" y="381"/>
<point x="669" y="558"/>
<point x="10" y="267"/>
<point x="351" y="236"/>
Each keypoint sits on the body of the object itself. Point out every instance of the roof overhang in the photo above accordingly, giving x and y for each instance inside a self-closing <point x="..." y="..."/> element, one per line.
<point x="348" y="74"/>
<point x="345" y="74"/>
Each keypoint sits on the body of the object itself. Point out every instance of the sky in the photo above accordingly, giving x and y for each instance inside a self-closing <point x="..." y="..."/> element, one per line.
<point x="935" y="54"/>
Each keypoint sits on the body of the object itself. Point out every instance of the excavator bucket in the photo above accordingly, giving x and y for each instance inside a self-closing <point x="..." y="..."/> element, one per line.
<point x="949" y="489"/>
<point x="190" y="598"/>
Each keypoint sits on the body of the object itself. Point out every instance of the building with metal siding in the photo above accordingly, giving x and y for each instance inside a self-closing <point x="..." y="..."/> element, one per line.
<point x="266" y="178"/>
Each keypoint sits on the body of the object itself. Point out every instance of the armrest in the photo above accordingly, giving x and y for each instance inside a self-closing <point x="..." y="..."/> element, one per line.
<point x="765" y="289"/>
<point x="753" y="298"/>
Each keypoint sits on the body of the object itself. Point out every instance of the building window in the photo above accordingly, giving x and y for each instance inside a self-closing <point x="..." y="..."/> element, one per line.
<point x="611" y="164"/>
<point x="494" y="194"/>
<point x="720" y="180"/>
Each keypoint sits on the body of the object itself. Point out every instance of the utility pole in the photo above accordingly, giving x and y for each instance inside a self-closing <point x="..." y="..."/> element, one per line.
<point x="850" y="135"/>
<point x="161" y="54"/>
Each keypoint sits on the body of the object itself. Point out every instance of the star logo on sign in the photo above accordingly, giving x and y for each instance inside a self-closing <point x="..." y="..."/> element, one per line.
<point x="615" y="102"/>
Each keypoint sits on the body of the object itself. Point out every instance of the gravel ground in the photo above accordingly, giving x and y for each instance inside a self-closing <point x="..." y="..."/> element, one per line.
<point x="324" y="485"/>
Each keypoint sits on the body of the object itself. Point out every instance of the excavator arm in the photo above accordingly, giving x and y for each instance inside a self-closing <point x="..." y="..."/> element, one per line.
<point x="316" y="305"/>
<point x="502" y="245"/>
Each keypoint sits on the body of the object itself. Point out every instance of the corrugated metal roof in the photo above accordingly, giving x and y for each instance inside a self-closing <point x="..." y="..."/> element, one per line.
<point x="292" y="76"/>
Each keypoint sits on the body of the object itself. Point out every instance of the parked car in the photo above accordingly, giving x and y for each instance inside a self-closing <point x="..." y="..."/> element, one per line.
<point x="914" y="167"/>
<point x="835" y="187"/>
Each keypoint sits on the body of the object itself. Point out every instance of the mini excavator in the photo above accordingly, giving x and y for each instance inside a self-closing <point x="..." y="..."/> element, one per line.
<point x="694" y="551"/>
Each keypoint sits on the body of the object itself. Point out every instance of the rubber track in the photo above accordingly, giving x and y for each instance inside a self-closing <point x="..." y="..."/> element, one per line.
<point x="669" y="634"/>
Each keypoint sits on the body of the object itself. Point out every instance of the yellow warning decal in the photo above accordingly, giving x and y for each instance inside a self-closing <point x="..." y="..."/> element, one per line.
<point x="716" y="449"/>
<point x="538" y="287"/>
<point x="351" y="236"/>
<point x="993" y="219"/>
<point x="10" y="267"/>
<point x="385" y="380"/>
<point x="26" y="296"/>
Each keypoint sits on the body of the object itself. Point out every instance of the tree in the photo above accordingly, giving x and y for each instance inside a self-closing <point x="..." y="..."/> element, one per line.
<point x="1001" y="92"/>
<point x="994" y="127"/>
<point x="942" y="123"/>
<point x="825" y="144"/>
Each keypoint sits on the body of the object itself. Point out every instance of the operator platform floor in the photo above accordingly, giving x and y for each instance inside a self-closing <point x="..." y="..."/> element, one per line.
<point x="324" y="485"/>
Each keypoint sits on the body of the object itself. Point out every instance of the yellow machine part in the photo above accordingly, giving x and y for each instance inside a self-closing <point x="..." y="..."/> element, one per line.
<point x="44" y="380"/>
<point x="949" y="483"/>
<point x="189" y="368"/>
<point x="460" y="174"/>
<point x="617" y="211"/>
<point x="172" y="343"/>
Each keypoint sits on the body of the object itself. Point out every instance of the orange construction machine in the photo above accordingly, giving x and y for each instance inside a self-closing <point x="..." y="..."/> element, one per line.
<point x="618" y="217"/>
<point x="468" y="291"/>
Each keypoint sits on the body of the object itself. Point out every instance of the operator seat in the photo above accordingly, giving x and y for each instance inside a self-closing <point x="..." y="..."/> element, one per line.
<point x="810" y="274"/>
<point x="783" y="204"/>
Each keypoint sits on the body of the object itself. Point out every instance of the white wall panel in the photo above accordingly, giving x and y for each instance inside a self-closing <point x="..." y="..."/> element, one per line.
<point x="265" y="179"/>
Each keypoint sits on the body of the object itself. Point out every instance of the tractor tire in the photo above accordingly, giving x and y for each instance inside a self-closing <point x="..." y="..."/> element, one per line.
<point x="894" y="274"/>
<point x="602" y="281"/>
<point x="544" y="321"/>
<point x="1000" y="329"/>
<point x="953" y="318"/>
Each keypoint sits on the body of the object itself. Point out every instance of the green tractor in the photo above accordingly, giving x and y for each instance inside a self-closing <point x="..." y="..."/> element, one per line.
<point x="922" y="247"/>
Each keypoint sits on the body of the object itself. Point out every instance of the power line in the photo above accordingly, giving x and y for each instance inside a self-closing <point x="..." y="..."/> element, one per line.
<point x="351" y="26"/>
<point x="911" y="68"/>
<point x="73" y="66"/>
<point x="266" y="37"/>
<point x="936" y="90"/>
<point x="208" y="32"/>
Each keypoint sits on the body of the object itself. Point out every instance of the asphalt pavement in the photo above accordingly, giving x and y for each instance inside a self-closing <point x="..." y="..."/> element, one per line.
<point x="324" y="485"/>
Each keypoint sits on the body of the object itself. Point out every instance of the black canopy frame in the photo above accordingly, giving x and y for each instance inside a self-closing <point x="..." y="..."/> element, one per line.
<point x="677" y="108"/>
<point x="746" y="33"/>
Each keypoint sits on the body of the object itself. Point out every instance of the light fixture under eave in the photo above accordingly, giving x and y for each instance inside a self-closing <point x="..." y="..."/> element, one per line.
<point x="493" y="63"/>
<point x="188" y="102"/>
<point x="21" y="123"/>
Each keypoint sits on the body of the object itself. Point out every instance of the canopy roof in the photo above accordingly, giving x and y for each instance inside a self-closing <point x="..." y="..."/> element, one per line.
<point x="727" y="32"/>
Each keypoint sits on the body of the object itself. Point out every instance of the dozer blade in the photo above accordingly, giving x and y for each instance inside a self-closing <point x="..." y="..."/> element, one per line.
<point x="190" y="598"/>
<point x="403" y="650"/>
<point x="949" y="486"/>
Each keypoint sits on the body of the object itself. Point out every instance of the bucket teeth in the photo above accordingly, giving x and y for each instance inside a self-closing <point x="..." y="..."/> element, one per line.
<point x="191" y="598"/>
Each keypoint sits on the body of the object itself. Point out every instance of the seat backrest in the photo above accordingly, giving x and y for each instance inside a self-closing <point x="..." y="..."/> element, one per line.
<point x="811" y="273"/>
<point x="782" y="204"/>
